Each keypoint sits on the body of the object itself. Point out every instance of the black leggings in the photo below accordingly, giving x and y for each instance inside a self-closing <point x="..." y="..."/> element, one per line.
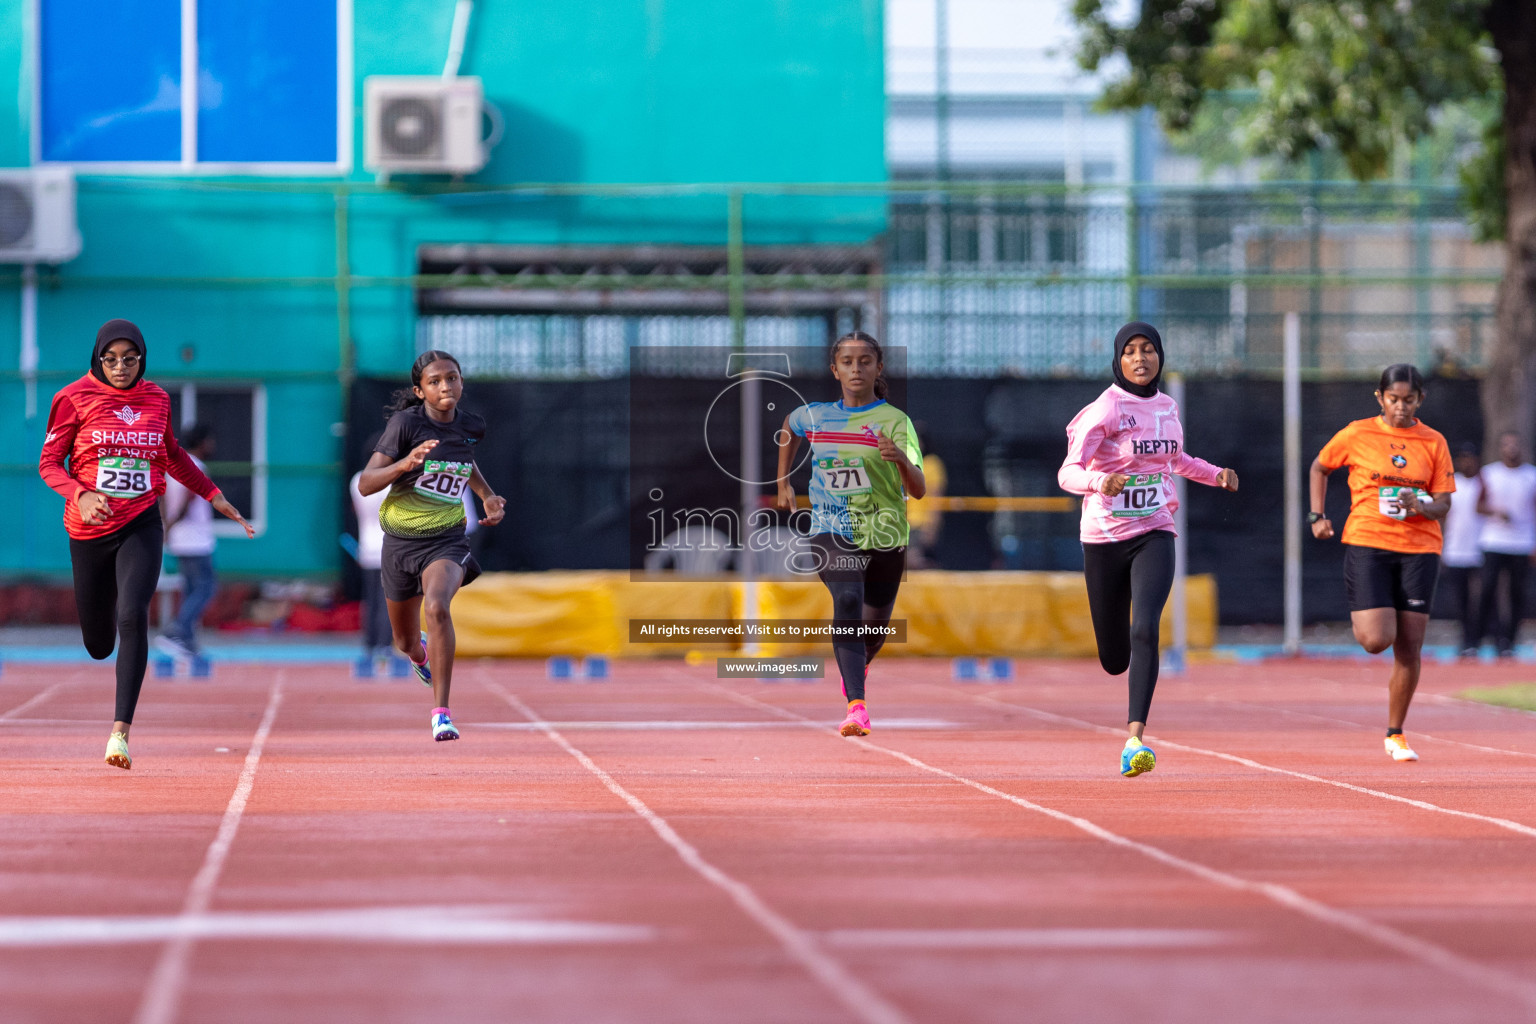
<point x="115" y="579"/>
<point x="863" y="585"/>
<point x="1128" y="583"/>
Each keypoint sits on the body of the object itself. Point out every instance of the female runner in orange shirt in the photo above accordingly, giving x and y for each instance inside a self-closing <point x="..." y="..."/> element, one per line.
<point x="1400" y="481"/>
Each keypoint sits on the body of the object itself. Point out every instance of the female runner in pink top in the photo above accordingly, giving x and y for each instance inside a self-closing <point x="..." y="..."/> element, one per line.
<point x="1123" y="451"/>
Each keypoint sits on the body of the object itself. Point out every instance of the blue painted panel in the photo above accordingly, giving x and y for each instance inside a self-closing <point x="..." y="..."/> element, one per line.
<point x="110" y="80"/>
<point x="267" y="85"/>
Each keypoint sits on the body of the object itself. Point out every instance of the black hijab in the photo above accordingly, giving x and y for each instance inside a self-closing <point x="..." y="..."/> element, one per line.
<point x="118" y="330"/>
<point x="1131" y="330"/>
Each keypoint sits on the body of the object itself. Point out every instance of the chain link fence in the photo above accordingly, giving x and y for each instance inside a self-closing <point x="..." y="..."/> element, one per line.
<point x="1017" y="280"/>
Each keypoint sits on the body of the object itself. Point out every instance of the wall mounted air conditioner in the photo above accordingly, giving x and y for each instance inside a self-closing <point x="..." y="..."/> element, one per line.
<point x="422" y="124"/>
<point x="37" y="215"/>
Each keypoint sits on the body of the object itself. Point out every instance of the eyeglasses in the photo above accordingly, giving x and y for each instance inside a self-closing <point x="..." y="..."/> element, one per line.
<point x="129" y="362"/>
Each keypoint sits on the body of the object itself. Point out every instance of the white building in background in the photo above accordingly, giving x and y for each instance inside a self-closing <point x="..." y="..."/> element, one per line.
<point x="1037" y="277"/>
<point x="1014" y="103"/>
<point x="1039" y="280"/>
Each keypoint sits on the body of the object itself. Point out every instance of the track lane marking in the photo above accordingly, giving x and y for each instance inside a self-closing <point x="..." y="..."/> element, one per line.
<point x="447" y="925"/>
<point x="162" y="996"/>
<point x="689" y="725"/>
<point x="1032" y="938"/>
<point x="1359" y="725"/>
<point x="1424" y="805"/>
<point x="859" y="999"/>
<point x="36" y="699"/>
<point x="1382" y="935"/>
<point x="1434" y="698"/>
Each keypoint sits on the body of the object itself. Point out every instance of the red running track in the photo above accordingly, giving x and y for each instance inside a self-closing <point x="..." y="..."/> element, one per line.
<point x="291" y="846"/>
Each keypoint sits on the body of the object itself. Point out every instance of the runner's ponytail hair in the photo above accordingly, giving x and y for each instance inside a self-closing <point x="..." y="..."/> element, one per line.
<point x="405" y="398"/>
<point x="882" y="386"/>
<point x="1401" y="373"/>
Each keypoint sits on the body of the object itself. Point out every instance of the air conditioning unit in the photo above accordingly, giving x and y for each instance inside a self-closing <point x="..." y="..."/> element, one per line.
<point x="37" y="215"/>
<point x="420" y="124"/>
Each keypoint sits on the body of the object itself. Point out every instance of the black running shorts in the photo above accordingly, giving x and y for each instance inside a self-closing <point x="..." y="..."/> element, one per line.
<point x="406" y="558"/>
<point x="879" y="569"/>
<point x="1374" y="578"/>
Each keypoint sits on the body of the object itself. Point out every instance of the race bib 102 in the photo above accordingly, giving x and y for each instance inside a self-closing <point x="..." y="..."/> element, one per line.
<point x="843" y="477"/>
<point x="1389" y="505"/>
<point x="122" y="477"/>
<point x="444" y="481"/>
<point x="1141" y="497"/>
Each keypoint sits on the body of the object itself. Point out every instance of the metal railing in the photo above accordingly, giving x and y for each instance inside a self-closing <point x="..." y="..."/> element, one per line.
<point x="972" y="278"/>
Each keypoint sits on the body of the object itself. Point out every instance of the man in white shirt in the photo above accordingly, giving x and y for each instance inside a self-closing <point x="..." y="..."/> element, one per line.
<point x="189" y="537"/>
<point x="1508" y="499"/>
<point x="1462" y="556"/>
<point x="377" y="641"/>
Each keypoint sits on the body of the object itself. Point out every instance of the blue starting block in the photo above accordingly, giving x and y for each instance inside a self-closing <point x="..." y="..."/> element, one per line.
<point x="197" y="667"/>
<point x="392" y="667"/>
<point x="972" y="670"/>
<point x="561" y="668"/>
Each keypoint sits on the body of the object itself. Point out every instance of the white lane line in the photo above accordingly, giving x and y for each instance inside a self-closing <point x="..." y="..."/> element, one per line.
<point x="163" y="994"/>
<point x="801" y="947"/>
<point x="1380" y="934"/>
<point x="1423" y="805"/>
<point x="1463" y="703"/>
<point x="22" y="708"/>
<point x="451" y="925"/>
<point x="1031" y="938"/>
<point x="667" y="725"/>
<point x="1417" y="735"/>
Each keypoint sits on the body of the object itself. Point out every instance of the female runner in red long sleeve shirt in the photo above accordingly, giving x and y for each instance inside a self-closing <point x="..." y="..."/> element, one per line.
<point x="108" y="449"/>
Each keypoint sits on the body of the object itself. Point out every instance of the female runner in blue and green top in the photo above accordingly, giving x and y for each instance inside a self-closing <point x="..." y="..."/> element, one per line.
<point x="866" y="462"/>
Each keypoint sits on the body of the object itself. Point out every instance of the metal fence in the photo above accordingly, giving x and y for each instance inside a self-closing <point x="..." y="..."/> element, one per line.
<point x="280" y="294"/>
<point x="971" y="278"/>
<point x="998" y="279"/>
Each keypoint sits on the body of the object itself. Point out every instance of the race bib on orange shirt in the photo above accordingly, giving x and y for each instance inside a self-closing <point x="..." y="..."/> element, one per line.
<point x="1390" y="505"/>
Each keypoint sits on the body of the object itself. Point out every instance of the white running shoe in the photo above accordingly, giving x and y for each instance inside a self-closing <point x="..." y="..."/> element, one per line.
<point x="1398" y="747"/>
<point x="174" y="647"/>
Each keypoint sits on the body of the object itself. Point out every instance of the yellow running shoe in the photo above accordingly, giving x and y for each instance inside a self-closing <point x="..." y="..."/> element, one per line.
<point x="117" y="751"/>
<point x="1137" y="758"/>
<point x="1399" y="749"/>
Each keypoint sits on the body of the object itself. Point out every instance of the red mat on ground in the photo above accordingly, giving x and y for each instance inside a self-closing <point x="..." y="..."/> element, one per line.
<point x="291" y="846"/>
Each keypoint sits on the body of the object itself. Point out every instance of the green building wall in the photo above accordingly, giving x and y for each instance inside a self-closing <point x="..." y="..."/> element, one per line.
<point x="236" y="279"/>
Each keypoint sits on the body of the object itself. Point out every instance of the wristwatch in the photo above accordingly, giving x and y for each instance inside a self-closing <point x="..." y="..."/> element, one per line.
<point x="1313" y="517"/>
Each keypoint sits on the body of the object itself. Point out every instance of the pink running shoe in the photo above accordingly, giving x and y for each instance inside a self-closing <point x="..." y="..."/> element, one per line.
<point x="857" y="722"/>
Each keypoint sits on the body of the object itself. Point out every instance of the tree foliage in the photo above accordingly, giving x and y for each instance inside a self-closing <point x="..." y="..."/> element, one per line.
<point x="1358" y="78"/>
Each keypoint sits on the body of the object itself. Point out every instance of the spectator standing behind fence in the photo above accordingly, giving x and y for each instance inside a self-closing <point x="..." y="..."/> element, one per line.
<point x="1461" y="558"/>
<point x="189" y="537"/>
<point x="1508" y="500"/>
<point x="377" y="639"/>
